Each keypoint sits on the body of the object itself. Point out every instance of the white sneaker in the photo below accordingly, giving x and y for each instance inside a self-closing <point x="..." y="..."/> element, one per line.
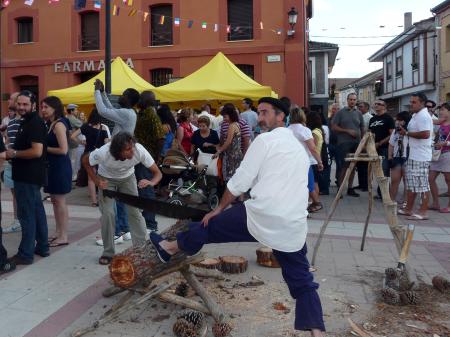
<point x="13" y="228"/>
<point x="126" y="236"/>
<point x="117" y="240"/>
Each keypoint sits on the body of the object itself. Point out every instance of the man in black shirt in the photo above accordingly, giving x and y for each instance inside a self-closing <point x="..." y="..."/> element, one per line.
<point x="382" y="125"/>
<point x="5" y="264"/>
<point x="29" y="175"/>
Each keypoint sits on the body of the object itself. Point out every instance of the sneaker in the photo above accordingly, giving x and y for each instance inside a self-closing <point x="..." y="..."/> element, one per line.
<point x="351" y="192"/>
<point x="7" y="267"/>
<point x="126" y="236"/>
<point x="13" y="228"/>
<point x="155" y="239"/>
<point x="117" y="240"/>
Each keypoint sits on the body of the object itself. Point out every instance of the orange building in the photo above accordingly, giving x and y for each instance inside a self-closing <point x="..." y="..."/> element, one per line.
<point x="52" y="46"/>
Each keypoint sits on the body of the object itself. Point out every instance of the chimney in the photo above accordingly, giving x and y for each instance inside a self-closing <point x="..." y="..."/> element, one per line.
<point x="407" y="21"/>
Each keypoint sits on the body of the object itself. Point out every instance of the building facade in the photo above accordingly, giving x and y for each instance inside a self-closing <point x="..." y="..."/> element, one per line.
<point x="53" y="46"/>
<point x="442" y="20"/>
<point x="409" y="64"/>
<point x="367" y="88"/>
<point x="322" y="56"/>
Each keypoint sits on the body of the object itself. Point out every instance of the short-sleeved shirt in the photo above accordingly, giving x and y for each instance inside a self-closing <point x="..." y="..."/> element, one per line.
<point x="109" y="167"/>
<point x="420" y="149"/>
<point x="348" y="119"/>
<point x="245" y="131"/>
<point x="319" y="135"/>
<point x="251" y="117"/>
<point x="302" y="133"/>
<point x="11" y="131"/>
<point x="198" y="141"/>
<point x="399" y="143"/>
<point x="95" y="138"/>
<point x="31" y="171"/>
<point x="380" y="125"/>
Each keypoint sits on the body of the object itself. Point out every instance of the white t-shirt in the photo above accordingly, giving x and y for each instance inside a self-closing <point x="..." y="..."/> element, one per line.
<point x="109" y="167"/>
<point x="326" y="132"/>
<point x="394" y="141"/>
<point x="302" y="133"/>
<point x="275" y="167"/>
<point x="420" y="149"/>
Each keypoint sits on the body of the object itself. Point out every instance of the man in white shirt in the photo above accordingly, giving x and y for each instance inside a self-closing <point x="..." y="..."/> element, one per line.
<point x="419" y="133"/>
<point x="116" y="161"/>
<point x="206" y="111"/>
<point x="250" y="116"/>
<point x="275" y="214"/>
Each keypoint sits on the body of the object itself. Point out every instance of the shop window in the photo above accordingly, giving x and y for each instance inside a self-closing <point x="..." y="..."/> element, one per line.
<point x="160" y="76"/>
<point x="247" y="69"/>
<point x="24" y="30"/>
<point x="399" y="66"/>
<point x="161" y="25"/>
<point x="415" y="58"/>
<point x="90" y="31"/>
<point x="240" y="20"/>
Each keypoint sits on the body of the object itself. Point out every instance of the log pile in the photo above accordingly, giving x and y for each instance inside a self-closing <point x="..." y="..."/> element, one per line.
<point x="265" y="257"/>
<point x="233" y="264"/>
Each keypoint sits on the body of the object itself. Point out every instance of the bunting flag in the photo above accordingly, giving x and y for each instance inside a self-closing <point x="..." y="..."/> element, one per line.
<point x="30" y="2"/>
<point x="130" y="3"/>
<point x="116" y="10"/>
<point x="145" y="16"/>
<point x="216" y="27"/>
<point x="132" y="12"/>
<point x="204" y="25"/>
<point x="79" y="4"/>
<point x="190" y="23"/>
<point x="161" y="19"/>
<point x="97" y="5"/>
<point x="176" y="22"/>
<point x="261" y="25"/>
<point x="228" y="29"/>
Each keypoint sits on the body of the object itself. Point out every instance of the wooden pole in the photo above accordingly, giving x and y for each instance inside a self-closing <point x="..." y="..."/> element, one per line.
<point x="369" y="213"/>
<point x="184" y="302"/>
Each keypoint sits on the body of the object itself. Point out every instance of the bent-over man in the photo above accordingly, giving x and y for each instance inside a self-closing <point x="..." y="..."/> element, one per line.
<point x="275" y="214"/>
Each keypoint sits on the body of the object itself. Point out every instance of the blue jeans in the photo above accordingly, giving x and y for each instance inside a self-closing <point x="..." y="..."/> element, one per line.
<point x="121" y="219"/>
<point x="143" y="172"/>
<point x="31" y="214"/>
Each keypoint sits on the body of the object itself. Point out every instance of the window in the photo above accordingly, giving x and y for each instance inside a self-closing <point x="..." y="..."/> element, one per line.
<point x="160" y="76"/>
<point x="247" y="69"/>
<point x="447" y="38"/>
<point x="161" y="28"/>
<point x="24" y="30"/>
<point x="312" y="75"/>
<point x="389" y="70"/>
<point x="90" y="35"/>
<point x="240" y="20"/>
<point x="399" y="66"/>
<point x="86" y="76"/>
<point x="415" y="58"/>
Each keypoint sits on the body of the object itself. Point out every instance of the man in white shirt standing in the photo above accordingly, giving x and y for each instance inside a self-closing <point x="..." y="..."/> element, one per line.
<point x="419" y="133"/>
<point x="275" y="214"/>
<point x="116" y="161"/>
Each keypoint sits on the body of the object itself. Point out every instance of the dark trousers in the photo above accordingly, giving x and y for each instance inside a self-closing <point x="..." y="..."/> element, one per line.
<point x="231" y="226"/>
<point x="341" y="152"/>
<point x="324" y="180"/>
<point x="362" y="168"/>
<point x="384" y="164"/>
<point x="143" y="172"/>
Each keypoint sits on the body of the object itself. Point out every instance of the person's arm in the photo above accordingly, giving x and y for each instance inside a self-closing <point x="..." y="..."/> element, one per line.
<point x="60" y="132"/>
<point x="384" y="140"/>
<point x="311" y="144"/>
<point x="336" y="128"/>
<point x="418" y="134"/>
<point x="361" y="125"/>
<point x="35" y="151"/>
<point x="75" y="134"/>
<point x="228" y="141"/>
<point x="390" y="152"/>
<point x="3" y="155"/>
<point x="99" y="182"/>
<point x="157" y="176"/>
<point x="119" y="116"/>
<point x="180" y="136"/>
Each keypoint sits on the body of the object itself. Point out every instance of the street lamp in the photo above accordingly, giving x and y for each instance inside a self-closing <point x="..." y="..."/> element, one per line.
<point x="292" y="19"/>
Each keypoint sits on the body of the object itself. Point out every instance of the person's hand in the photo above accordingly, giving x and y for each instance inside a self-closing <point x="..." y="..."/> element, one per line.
<point x="10" y="154"/>
<point x="98" y="85"/>
<point x="101" y="183"/>
<point x="210" y="215"/>
<point x="217" y="154"/>
<point x="320" y="167"/>
<point x="402" y="131"/>
<point x="377" y="145"/>
<point x="352" y="133"/>
<point x="143" y="183"/>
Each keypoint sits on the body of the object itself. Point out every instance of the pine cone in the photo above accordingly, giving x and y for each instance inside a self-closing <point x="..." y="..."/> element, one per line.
<point x="182" y="289"/>
<point x="192" y="316"/>
<point x="183" y="328"/>
<point x="221" y="329"/>
<point x="390" y="296"/>
<point x="441" y="283"/>
<point x="409" y="297"/>
<point x="403" y="282"/>
<point x="391" y="273"/>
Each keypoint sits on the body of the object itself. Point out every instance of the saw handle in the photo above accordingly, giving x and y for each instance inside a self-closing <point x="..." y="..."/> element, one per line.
<point x="406" y="244"/>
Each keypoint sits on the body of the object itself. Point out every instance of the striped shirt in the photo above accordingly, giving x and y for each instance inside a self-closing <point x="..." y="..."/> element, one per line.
<point x="11" y="131"/>
<point x="245" y="131"/>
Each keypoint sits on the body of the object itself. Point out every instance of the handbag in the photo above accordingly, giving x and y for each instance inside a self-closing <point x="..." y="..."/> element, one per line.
<point x="437" y="153"/>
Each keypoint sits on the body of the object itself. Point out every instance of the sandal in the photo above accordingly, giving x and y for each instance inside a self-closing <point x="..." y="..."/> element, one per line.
<point x="105" y="260"/>
<point x="51" y="239"/>
<point x="445" y="210"/>
<point x="315" y="207"/>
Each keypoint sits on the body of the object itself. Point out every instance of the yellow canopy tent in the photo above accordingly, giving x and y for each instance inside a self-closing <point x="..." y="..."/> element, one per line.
<point x="122" y="77"/>
<point x="219" y="79"/>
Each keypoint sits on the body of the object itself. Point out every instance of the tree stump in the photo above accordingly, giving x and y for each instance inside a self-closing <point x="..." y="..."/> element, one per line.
<point x="208" y="263"/>
<point x="265" y="257"/>
<point x="233" y="264"/>
<point x="142" y="263"/>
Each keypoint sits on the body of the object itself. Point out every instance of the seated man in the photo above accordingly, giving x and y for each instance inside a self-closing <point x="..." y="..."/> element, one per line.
<point x="275" y="215"/>
<point x="116" y="161"/>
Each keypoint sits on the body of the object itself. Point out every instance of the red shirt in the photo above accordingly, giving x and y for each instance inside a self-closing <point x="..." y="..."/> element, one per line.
<point x="187" y="135"/>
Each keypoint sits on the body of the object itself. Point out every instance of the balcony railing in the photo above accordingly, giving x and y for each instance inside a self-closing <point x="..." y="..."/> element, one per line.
<point x="161" y="38"/>
<point x="240" y="33"/>
<point x="89" y="42"/>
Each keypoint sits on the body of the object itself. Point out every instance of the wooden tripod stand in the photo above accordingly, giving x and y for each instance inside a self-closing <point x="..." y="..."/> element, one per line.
<point x="401" y="240"/>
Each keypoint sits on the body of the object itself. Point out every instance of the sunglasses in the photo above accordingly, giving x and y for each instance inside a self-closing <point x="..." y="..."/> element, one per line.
<point x="380" y="104"/>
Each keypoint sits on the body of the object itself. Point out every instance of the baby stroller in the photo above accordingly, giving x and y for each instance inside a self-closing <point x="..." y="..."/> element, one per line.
<point x="189" y="182"/>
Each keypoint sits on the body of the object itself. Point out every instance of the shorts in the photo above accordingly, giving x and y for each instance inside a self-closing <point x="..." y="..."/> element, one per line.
<point x="398" y="162"/>
<point x="417" y="176"/>
<point x="443" y="164"/>
<point x="7" y="175"/>
<point x="311" y="179"/>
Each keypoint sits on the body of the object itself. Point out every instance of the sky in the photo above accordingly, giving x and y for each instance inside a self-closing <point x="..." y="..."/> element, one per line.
<point x="338" y="21"/>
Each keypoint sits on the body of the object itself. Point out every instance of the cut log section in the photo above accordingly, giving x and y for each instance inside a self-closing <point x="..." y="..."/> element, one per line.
<point x="265" y="257"/>
<point x="233" y="264"/>
<point x="209" y="263"/>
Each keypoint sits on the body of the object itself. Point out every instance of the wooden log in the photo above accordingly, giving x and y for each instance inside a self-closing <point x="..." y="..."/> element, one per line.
<point x="369" y="213"/>
<point x="233" y="264"/>
<point x="211" y="273"/>
<point x="209" y="263"/>
<point x="265" y="257"/>
<point x="184" y="302"/>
